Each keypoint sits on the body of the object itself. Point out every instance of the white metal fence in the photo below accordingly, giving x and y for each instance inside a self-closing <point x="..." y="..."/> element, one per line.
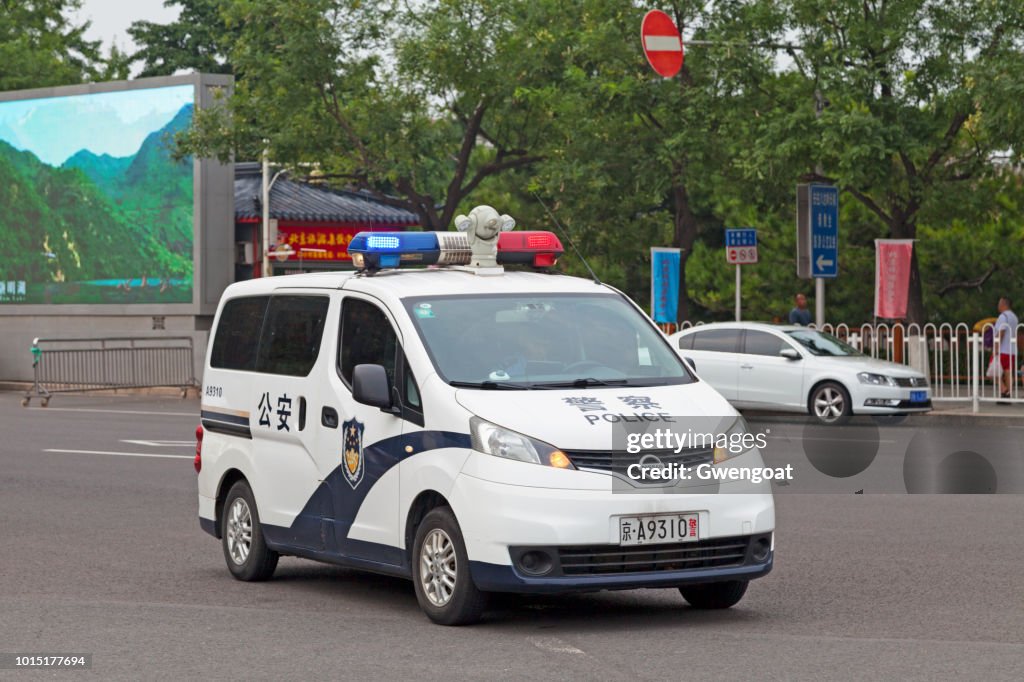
<point x="954" y="356"/>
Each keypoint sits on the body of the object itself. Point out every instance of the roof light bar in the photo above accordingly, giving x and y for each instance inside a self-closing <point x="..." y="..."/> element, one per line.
<point x="384" y="250"/>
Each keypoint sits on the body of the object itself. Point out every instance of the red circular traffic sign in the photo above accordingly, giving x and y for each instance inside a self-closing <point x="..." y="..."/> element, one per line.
<point x="662" y="43"/>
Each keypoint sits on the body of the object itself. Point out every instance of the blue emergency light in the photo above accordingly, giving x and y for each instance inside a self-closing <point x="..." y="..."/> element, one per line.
<point x="380" y="250"/>
<point x="377" y="250"/>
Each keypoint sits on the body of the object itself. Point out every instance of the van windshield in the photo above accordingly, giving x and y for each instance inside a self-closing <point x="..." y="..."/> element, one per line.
<point x="519" y="341"/>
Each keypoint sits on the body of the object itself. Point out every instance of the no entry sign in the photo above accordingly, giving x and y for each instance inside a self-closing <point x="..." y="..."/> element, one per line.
<point x="662" y="43"/>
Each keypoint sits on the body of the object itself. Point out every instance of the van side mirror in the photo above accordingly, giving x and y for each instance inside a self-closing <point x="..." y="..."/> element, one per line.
<point x="790" y="353"/>
<point x="691" y="363"/>
<point x="370" y="386"/>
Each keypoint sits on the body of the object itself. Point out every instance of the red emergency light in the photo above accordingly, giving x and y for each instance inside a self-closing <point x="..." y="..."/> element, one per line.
<point x="537" y="248"/>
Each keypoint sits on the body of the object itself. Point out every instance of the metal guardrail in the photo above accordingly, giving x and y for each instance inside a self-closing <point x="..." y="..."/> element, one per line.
<point x="79" y="365"/>
<point x="954" y="357"/>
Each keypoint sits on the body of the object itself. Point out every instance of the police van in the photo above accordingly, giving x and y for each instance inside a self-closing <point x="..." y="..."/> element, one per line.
<point x="463" y="424"/>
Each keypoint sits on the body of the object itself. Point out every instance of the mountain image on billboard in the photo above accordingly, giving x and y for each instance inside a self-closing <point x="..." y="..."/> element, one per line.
<point x="93" y="208"/>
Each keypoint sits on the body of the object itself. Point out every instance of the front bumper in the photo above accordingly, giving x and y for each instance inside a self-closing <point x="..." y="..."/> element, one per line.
<point x="495" y="578"/>
<point x="890" y="400"/>
<point x="498" y="519"/>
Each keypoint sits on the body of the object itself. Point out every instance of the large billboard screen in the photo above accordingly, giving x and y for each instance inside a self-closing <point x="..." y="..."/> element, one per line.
<point x="93" y="207"/>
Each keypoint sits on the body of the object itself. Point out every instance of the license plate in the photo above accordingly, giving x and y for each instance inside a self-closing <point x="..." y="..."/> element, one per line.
<point x="918" y="396"/>
<point x="657" y="529"/>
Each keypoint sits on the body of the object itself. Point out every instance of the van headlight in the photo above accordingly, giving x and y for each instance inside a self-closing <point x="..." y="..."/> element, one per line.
<point x="876" y="379"/>
<point x="492" y="439"/>
<point x="736" y="440"/>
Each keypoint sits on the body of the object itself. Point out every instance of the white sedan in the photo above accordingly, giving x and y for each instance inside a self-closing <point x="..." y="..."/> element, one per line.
<point x="796" y="369"/>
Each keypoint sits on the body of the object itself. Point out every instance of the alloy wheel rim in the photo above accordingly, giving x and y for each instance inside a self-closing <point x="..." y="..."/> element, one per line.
<point x="438" y="567"/>
<point x="828" y="404"/>
<point x="239" y="531"/>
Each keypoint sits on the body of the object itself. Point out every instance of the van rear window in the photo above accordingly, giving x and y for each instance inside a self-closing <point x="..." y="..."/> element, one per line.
<point x="271" y="334"/>
<point x="238" y="333"/>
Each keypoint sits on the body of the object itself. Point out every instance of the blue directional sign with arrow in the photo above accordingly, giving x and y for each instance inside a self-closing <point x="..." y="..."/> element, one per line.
<point x="824" y="200"/>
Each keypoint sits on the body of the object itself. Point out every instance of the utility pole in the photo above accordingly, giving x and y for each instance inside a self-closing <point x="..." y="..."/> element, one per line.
<point x="819" y="282"/>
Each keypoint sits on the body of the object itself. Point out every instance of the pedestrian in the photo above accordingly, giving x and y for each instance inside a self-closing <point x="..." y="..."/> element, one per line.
<point x="1005" y="330"/>
<point x="800" y="314"/>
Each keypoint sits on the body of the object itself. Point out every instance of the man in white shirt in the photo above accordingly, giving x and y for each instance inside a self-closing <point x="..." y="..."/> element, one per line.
<point x="1006" y="329"/>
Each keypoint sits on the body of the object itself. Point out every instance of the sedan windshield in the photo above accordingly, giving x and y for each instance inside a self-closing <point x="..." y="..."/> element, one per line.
<point x="519" y="341"/>
<point x="820" y="343"/>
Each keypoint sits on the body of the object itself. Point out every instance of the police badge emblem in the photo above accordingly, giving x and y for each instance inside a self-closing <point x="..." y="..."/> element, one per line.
<point x="352" y="464"/>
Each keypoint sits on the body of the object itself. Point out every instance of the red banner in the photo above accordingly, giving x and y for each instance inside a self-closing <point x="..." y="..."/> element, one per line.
<point x="315" y="243"/>
<point x="892" y="277"/>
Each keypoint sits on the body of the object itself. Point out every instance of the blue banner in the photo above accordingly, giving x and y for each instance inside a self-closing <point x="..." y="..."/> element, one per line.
<point x="665" y="284"/>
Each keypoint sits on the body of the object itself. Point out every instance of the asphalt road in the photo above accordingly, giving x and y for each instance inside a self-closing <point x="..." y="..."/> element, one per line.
<point x="102" y="554"/>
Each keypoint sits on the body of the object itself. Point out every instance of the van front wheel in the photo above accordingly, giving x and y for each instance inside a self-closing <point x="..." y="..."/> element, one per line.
<point x="440" y="569"/>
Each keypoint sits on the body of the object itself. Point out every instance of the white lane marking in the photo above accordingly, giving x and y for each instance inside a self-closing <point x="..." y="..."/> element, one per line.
<point x="554" y="645"/>
<point x="194" y="415"/>
<point x="117" y="454"/>
<point x="663" y="43"/>
<point x="161" y="443"/>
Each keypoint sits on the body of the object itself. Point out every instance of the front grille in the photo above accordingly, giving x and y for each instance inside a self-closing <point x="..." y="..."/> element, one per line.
<point x="612" y="559"/>
<point x="911" y="382"/>
<point x="612" y="460"/>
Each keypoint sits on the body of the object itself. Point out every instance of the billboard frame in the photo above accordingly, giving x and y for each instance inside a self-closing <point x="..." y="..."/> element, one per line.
<point x="213" y="210"/>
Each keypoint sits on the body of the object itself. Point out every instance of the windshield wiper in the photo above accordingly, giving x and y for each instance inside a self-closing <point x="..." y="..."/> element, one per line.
<point x="489" y="385"/>
<point x="583" y="383"/>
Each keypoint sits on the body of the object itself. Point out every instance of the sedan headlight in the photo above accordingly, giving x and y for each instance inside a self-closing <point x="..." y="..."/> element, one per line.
<point x="492" y="439"/>
<point x="876" y="379"/>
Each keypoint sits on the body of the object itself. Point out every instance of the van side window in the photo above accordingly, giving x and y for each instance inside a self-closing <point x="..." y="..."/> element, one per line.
<point x="238" y="333"/>
<point x="686" y="342"/>
<point x="366" y="339"/>
<point x="292" y="334"/>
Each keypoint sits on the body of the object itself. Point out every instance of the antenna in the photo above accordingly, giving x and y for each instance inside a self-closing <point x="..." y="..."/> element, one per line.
<point x="565" y="235"/>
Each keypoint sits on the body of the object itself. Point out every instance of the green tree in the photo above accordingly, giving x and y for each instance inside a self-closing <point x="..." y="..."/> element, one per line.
<point x="919" y="96"/>
<point x="646" y="161"/>
<point x="415" y="107"/>
<point x="40" y="46"/>
<point x="198" y="40"/>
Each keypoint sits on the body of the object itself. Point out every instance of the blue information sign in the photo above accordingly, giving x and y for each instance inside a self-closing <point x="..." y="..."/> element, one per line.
<point x="824" y="202"/>
<point x="741" y="246"/>
<point x="665" y="284"/>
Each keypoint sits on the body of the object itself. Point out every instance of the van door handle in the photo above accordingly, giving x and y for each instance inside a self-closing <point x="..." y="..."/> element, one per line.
<point x="329" y="417"/>
<point x="302" y="413"/>
<point x="746" y="367"/>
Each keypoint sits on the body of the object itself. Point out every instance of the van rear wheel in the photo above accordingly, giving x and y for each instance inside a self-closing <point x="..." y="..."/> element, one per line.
<point x="245" y="548"/>
<point x="714" y="595"/>
<point x="440" y="570"/>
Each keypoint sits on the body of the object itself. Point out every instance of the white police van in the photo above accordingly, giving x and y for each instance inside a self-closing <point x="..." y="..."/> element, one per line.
<point x="461" y="425"/>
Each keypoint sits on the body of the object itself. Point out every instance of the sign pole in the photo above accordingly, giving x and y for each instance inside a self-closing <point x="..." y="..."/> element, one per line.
<point x="819" y="302"/>
<point x="739" y="282"/>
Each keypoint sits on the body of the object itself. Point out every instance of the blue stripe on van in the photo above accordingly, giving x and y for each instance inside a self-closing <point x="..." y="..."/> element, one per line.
<point x="308" y="532"/>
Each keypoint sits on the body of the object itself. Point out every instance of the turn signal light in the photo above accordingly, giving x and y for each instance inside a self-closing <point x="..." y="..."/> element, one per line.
<point x="559" y="460"/>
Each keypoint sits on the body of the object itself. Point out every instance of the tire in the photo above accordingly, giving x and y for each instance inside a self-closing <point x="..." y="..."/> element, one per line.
<point x="830" y="403"/>
<point x="245" y="549"/>
<point x="714" y="595"/>
<point x="439" y="551"/>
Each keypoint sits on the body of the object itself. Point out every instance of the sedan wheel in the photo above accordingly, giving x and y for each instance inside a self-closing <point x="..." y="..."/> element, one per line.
<point x="830" y="403"/>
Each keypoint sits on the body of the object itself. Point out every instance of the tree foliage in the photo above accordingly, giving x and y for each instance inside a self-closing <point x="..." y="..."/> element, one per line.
<point x="198" y="40"/>
<point x="910" y="106"/>
<point x="40" y="46"/>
